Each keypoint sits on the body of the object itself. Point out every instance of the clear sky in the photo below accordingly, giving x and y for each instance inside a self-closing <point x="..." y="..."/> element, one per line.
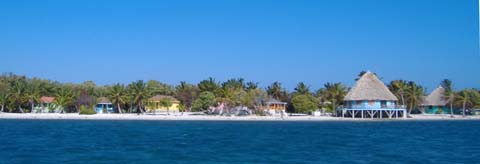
<point x="315" y="41"/>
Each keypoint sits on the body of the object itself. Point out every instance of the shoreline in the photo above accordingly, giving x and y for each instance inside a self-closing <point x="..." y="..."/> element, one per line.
<point x="76" y="116"/>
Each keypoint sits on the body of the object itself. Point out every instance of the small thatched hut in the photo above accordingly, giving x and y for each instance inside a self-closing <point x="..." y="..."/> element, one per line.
<point x="275" y="107"/>
<point x="369" y="97"/>
<point x="104" y="105"/>
<point x="435" y="102"/>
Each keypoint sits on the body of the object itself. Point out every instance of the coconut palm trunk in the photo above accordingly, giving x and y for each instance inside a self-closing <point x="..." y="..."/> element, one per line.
<point x="32" y="106"/>
<point x="139" y="108"/>
<point x="119" y="108"/>
<point x="451" y="110"/>
<point x="464" y="104"/>
<point x="333" y="106"/>
<point x="411" y="109"/>
<point x="20" y="108"/>
<point x="403" y="99"/>
<point x="449" y="93"/>
<point x="130" y="108"/>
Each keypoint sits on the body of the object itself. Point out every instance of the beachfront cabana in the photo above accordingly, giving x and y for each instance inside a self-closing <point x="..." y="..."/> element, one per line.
<point x="104" y="105"/>
<point x="154" y="104"/>
<point x="435" y="102"/>
<point x="46" y="105"/>
<point x="370" y="98"/>
<point x="275" y="107"/>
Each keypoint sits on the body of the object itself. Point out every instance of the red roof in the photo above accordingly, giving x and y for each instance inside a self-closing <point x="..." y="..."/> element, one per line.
<point x="45" y="99"/>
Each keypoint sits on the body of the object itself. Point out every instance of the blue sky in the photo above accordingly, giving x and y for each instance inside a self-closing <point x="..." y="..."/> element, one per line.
<point x="315" y="41"/>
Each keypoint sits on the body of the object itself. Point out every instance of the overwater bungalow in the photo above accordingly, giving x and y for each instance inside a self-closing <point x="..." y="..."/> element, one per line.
<point x="370" y="98"/>
<point x="275" y="107"/>
<point x="104" y="106"/>
<point x="435" y="102"/>
<point x="154" y="104"/>
<point x="46" y="105"/>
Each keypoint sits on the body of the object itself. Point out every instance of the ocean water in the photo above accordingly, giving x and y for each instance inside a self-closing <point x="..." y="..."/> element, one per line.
<point x="87" y="141"/>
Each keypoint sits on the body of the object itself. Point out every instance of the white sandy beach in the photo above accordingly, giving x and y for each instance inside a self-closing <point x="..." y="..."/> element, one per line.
<point x="75" y="116"/>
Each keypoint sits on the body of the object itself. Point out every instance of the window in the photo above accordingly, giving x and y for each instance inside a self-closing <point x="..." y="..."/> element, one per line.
<point x="359" y="102"/>
<point x="371" y="102"/>
<point x="383" y="104"/>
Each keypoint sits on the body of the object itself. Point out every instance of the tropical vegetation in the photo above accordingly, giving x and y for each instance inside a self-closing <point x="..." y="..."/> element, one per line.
<point x="19" y="94"/>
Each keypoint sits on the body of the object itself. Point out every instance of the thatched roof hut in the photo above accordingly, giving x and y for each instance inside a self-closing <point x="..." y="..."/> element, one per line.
<point x="369" y="87"/>
<point x="274" y="101"/>
<point x="435" y="98"/>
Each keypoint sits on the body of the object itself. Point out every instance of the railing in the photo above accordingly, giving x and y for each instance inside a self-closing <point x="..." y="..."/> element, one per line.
<point x="371" y="107"/>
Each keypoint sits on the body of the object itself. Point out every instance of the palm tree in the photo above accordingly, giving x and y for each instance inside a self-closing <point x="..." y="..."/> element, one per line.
<point x="43" y="87"/>
<point x="116" y="93"/>
<point x="251" y="85"/>
<point x="414" y="95"/>
<point x="227" y="97"/>
<point x="100" y="91"/>
<point x="3" y="99"/>
<point x="334" y="92"/>
<point x="186" y="94"/>
<point x="463" y="97"/>
<point x="237" y="84"/>
<point x="32" y="94"/>
<point x="231" y="92"/>
<point x="130" y="100"/>
<point x="302" y="88"/>
<point x="276" y="91"/>
<point x="4" y="93"/>
<point x="159" y="88"/>
<point x="18" y="94"/>
<point x="449" y="94"/>
<point x="467" y="97"/>
<point x="139" y="92"/>
<point x="64" y="98"/>
<point x="208" y="85"/>
<point x="321" y="95"/>
<point x="399" y="88"/>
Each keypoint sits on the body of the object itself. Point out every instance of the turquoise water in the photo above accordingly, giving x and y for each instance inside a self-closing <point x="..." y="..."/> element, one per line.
<point x="68" y="141"/>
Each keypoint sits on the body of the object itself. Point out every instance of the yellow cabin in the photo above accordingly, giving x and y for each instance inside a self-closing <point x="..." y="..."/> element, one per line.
<point x="158" y="104"/>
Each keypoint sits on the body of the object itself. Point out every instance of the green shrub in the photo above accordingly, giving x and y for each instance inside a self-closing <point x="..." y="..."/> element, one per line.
<point x="86" y="111"/>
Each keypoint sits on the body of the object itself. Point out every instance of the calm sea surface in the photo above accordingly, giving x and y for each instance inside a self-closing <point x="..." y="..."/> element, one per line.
<point x="67" y="141"/>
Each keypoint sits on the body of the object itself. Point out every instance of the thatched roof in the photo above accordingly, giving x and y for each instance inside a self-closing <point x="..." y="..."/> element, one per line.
<point x="161" y="97"/>
<point x="369" y="87"/>
<point x="103" y="100"/>
<point x="435" y="98"/>
<point x="274" y="101"/>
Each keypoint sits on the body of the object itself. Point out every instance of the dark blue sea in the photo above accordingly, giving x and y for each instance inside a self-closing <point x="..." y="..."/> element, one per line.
<point x="118" y="142"/>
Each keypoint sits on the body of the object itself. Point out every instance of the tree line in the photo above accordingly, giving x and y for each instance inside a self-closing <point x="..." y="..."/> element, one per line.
<point x="411" y="95"/>
<point x="20" y="94"/>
